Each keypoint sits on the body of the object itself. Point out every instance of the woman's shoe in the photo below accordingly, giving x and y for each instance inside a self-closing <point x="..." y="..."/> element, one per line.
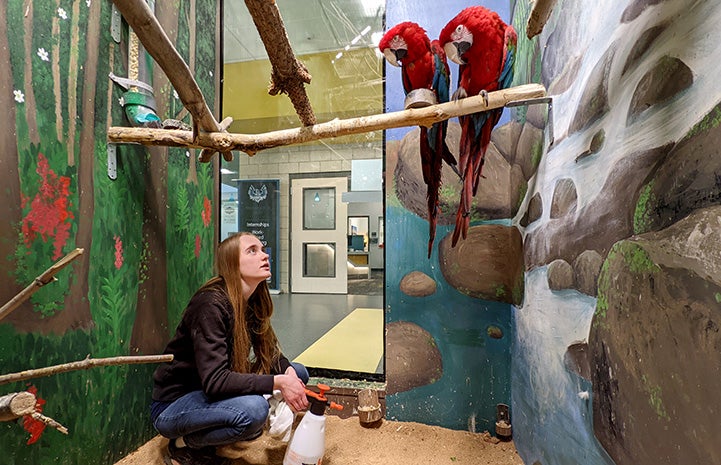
<point x="187" y="456"/>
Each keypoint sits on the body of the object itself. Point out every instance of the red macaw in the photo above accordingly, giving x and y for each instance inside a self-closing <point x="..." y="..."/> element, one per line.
<point x="423" y="66"/>
<point x="484" y="48"/>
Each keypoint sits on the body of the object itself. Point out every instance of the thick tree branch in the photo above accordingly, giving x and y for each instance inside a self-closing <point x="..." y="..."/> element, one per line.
<point x="289" y="75"/>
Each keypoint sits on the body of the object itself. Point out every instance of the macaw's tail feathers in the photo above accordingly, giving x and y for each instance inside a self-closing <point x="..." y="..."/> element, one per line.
<point x="477" y="172"/>
<point x="463" y="220"/>
<point x="463" y="216"/>
<point x="433" y="200"/>
<point x="451" y="160"/>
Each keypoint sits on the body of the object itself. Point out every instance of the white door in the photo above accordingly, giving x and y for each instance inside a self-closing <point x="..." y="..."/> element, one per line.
<point x="319" y="242"/>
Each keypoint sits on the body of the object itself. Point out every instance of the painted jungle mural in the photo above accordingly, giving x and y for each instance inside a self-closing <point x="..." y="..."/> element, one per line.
<point x="121" y="296"/>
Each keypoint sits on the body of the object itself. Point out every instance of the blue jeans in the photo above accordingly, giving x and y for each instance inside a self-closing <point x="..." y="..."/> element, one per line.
<point x="204" y="423"/>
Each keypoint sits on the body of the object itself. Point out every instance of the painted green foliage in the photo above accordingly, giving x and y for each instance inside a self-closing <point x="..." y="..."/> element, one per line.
<point x="105" y="409"/>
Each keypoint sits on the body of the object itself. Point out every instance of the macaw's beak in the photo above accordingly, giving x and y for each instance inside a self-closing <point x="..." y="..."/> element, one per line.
<point x="391" y="56"/>
<point x="455" y="50"/>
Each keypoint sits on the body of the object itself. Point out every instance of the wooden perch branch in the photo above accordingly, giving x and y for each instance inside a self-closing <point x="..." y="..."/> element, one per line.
<point x="47" y="276"/>
<point x="16" y="405"/>
<point x="251" y="144"/>
<point x="289" y="75"/>
<point x="19" y="404"/>
<point x="141" y="18"/>
<point x="83" y="365"/>
<point x="538" y="17"/>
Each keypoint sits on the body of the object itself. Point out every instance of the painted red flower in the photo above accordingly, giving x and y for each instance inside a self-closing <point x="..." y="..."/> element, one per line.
<point x="197" y="245"/>
<point x="49" y="213"/>
<point x="118" y="252"/>
<point x="31" y="425"/>
<point x="206" y="213"/>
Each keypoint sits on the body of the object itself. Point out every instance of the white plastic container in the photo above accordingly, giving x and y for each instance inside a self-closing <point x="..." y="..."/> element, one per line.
<point x="307" y="445"/>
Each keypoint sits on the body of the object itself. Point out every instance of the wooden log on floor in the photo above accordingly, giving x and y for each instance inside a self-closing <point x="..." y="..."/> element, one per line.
<point x="16" y="405"/>
<point x="251" y="144"/>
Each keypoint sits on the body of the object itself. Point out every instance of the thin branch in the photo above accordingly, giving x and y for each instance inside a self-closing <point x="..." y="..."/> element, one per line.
<point x="251" y="144"/>
<point x="83" y="365"/>
<point x="47" y="276"/>
<point x="49" y="421"/>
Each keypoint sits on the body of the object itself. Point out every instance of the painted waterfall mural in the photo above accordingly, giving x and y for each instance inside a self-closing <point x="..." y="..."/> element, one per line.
<point x="616" y="356"/>
<point x="615" y="195"/>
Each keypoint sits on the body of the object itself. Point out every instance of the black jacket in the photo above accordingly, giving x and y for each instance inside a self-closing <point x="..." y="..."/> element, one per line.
<point x="201" y="348"/>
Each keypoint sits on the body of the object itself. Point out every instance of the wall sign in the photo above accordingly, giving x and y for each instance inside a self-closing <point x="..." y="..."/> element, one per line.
<point x="258" y="213"/>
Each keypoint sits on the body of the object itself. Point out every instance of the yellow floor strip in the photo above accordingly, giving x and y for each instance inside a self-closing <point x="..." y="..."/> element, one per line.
<point x="354" y="344"/>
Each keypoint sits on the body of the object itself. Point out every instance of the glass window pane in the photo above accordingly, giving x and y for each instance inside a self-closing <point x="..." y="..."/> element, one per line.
<point x="319" y="260"/>
<point x="319" y="208"/>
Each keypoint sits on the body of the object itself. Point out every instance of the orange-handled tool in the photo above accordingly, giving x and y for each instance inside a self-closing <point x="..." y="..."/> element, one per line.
<point x="323" y="388"/>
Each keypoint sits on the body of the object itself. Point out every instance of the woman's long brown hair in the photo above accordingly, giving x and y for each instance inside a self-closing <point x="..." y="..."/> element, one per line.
<point x="251" y="327"/>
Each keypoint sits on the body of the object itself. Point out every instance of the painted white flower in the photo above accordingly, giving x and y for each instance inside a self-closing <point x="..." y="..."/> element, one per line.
<point x="19" y="96"/>
<point x="175" y="94"/>
<point x="87" y="3"/>
<point x="210" y="73"/>
<point x="62" y="13"/>
<point x="43" y="54"/>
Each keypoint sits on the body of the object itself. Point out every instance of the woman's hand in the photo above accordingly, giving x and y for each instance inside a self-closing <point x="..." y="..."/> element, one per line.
<point x="292" y="389"/>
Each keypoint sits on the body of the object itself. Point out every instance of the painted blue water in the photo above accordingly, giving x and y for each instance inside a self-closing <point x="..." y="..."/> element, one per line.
<point x="477" y="368"/>
<point x="552" y="423"/>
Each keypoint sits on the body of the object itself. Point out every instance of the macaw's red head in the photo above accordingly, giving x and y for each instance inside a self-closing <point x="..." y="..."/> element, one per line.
<point x="477" y="26"/>
<point x="404" y="43"/>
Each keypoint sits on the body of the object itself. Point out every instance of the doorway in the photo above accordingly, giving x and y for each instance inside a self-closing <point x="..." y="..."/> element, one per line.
<point x="318" y="236"/>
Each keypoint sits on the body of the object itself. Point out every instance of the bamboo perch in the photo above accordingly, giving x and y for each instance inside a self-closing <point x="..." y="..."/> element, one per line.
<point x="251" y="144"/>
<point x="141" y="18"/>
<point x="83" y="365"/>
<point x="47" y="276"/>
<point x="538" y="17"/>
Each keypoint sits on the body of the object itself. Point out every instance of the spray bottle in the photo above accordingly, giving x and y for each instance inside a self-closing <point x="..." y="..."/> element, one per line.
<point x="307" y="445"/>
